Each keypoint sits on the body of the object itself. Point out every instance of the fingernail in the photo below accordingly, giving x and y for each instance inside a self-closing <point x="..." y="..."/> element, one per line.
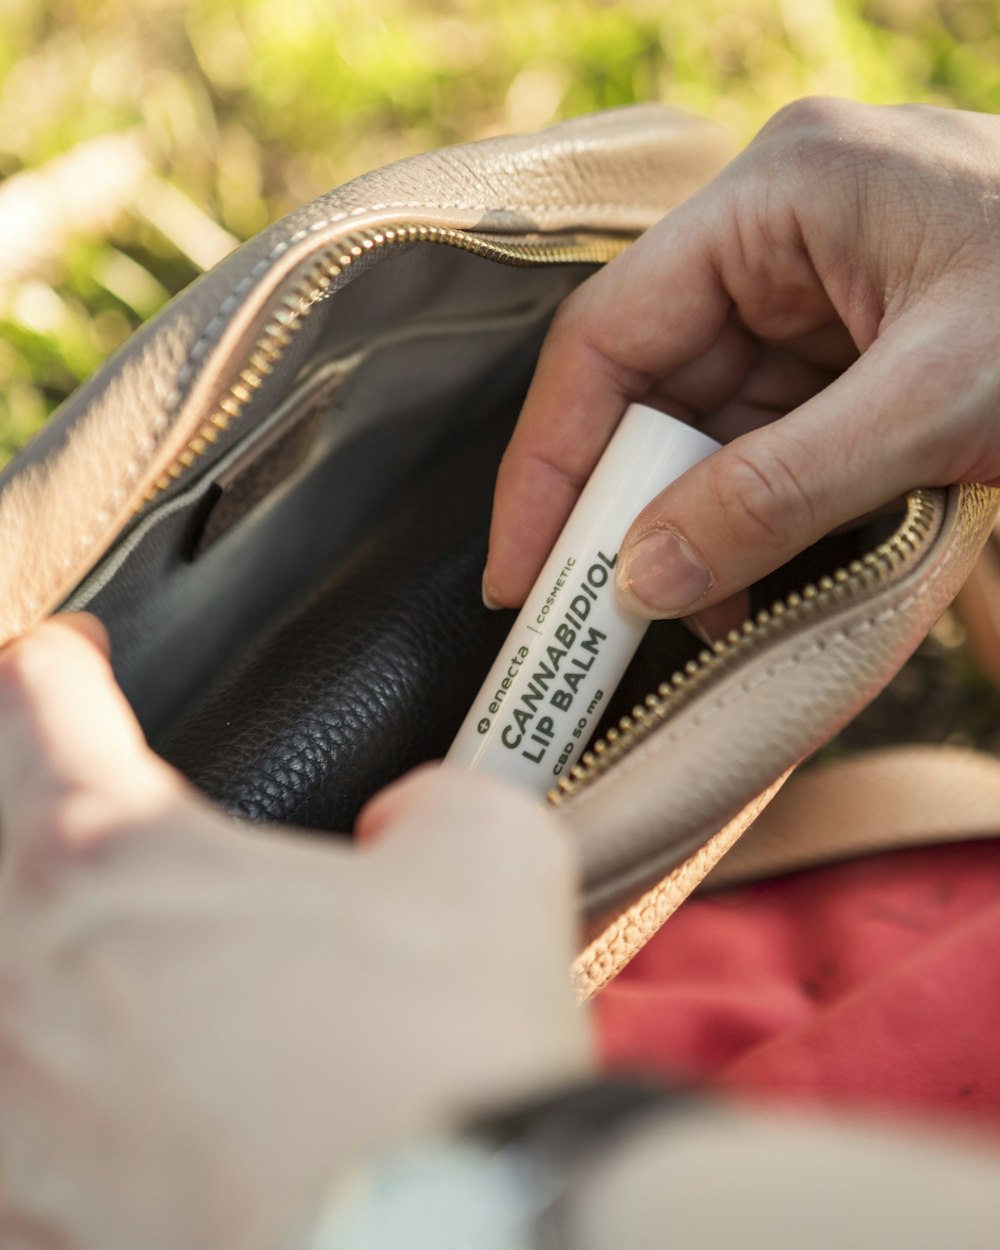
<point x="662" y="576"/>
<point x="489" y="599"/>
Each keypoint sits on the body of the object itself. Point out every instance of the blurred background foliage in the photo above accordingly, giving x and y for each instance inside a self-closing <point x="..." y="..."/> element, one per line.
<point x="142" y="139"/>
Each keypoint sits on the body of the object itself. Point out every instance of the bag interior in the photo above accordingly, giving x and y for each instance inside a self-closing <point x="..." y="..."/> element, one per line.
<point x="298" y="620"/>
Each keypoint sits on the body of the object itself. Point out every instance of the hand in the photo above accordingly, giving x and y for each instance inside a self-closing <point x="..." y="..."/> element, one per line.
<point x="830" y="303"/>
<point x="199" y="1022"/>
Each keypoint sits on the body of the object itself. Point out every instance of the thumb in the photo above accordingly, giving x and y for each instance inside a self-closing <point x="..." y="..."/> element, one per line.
<point x="72" y="754"/>
<point x="868" y="437"/>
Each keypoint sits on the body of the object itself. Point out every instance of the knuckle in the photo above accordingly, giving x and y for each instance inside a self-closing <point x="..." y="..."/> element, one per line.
<point x="42" y="851"/>
<point x="831" y="138"/>
<point x="578" y="319"/>
<point x="581" y="330"/>
<point x="59" y="820"/>
<point x="763" y="498"/>
<point x="568" y="316"/>
<point x="64" y="831"/>
<point x="815" y="117"/>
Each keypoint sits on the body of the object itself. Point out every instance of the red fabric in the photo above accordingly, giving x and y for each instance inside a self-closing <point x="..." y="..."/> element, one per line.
<point x="873" y="983"/>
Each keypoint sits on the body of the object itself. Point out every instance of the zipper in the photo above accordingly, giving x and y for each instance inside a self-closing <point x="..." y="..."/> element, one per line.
<point x="860" y="579"/>
<point x="313" y="287"/>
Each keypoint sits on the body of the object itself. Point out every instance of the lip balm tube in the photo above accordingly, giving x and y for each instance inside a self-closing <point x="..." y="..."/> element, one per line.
<point x="572" y="641"/>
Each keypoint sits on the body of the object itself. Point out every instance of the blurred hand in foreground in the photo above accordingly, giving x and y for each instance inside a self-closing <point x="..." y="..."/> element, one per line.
<point x="830" y="303"/>
<point x="200" y="1023"/>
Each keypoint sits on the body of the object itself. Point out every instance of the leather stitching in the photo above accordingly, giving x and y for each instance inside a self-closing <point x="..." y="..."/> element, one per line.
<point x="609" y="953"/>
<point x="602" y="960"/>
<point x="628" y="763"/>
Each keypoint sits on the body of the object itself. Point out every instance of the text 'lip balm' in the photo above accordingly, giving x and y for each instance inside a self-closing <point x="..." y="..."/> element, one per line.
<point x="572" y="641"/>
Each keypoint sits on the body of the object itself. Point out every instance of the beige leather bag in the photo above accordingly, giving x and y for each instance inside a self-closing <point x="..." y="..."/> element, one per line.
<point x="364" y="303"/>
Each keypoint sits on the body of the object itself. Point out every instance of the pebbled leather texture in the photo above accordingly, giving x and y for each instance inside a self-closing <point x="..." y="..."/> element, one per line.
<point x="626" y="934"/>
<point x="372" y="676"/>
<point x="377" y="668"/>
<point x="375" y="672"/>
<point x="65" y="500"/>
<point x="765" y="716"/>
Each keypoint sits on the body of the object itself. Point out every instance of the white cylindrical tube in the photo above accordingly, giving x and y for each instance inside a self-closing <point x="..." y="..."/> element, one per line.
<point x="572" y="641"/>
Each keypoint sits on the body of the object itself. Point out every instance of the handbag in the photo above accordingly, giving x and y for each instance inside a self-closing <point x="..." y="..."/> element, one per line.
<point x="276" y="495"/>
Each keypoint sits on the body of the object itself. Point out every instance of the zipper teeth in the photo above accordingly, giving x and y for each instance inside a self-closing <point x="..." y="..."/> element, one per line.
<point x="859" y="577"/>
<point x="872" y="571"/>
<point x="312" y="287"/>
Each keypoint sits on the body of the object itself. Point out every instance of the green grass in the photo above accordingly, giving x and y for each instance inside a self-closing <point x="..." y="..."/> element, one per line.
<point x="205" y="120"/>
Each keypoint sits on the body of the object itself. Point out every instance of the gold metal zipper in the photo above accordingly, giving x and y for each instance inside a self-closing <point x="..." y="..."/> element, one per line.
<point x="310" y="289"/>
<point x="860" y="578"/>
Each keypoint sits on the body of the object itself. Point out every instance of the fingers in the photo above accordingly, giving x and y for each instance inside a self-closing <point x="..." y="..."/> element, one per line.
<point x="753" y="505"/>
<point x="481" y="883"/>
<point x="679" y="319"/>
<point x="760" y="257"/>
<point x="71" y="750"/>
<point x="656" y="306"/>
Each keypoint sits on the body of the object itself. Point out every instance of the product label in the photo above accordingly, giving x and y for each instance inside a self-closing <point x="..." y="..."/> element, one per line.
<point x="546" y="698"/>
<point x="573" y="639"/>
